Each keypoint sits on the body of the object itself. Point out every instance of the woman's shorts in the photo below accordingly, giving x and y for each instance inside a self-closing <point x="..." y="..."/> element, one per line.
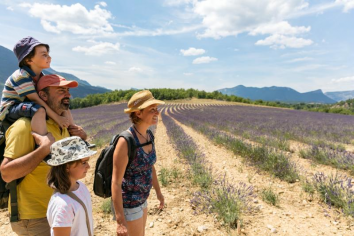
<point x="131" y="214"/>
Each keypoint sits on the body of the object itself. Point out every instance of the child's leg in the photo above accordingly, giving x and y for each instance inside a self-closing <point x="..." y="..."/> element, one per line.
<point x="67" y="114"/>
<point x="38" y="122"/>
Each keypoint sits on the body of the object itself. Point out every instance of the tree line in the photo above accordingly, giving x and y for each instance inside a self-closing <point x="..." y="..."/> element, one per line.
<point x="345" y="107"/>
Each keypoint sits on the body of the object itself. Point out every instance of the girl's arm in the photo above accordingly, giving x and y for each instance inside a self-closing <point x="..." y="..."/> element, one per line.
<point x="61" y="231"/>
<point x="63" y="122"/>
<point x="120" y="161"/>
<point x="156" y="186"/>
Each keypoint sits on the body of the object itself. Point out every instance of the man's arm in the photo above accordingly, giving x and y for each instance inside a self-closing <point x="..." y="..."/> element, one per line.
<point x="12" y="169"/>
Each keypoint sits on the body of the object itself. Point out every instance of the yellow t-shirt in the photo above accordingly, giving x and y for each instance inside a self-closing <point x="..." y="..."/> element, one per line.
<point x="33" y="193"/>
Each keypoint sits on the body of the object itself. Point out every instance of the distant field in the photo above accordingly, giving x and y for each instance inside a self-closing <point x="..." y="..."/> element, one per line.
<point x="249" y="169"/>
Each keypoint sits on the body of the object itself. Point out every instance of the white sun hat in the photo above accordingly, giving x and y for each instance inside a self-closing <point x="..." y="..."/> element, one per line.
<point x="68" y="149"/>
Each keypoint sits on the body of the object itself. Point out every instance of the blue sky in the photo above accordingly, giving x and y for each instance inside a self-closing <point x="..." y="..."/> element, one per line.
<point x="206" y="45"/>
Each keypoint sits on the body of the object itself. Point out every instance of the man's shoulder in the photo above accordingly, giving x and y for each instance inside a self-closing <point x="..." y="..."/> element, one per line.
<point x="22" y="125"/>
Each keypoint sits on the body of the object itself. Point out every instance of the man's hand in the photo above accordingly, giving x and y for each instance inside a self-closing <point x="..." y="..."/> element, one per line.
<point x="76" y="130"/>
<point x="44" y="141"/>
<point x="62" y="121"/>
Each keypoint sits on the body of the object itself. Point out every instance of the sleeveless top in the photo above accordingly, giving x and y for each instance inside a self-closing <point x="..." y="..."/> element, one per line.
<point x="137" y="181"/>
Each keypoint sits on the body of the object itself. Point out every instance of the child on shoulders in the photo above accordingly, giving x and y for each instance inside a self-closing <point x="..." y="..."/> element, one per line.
<point x="19" y="97"/>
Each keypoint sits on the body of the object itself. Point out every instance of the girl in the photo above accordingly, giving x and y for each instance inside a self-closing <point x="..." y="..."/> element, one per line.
<point x="131" y="184"/>
<point x="69" y="211"/>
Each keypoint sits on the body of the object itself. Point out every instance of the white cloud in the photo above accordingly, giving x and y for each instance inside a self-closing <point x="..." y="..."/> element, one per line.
<point x="75" y="18"/>
<point x="192" y="52"/>
<point x="10" y="8"/>
<point x="158" y="32"/>
<point x="223" y="18"/>
<point x="202" y="60"/>
<point x="110" y="63"/>
<point x="342" y="80"/>
<point x="282" y="27"/>
<point x="300" y="59"/>
<point x="98" y="49"/>
<point x="177" y="2"/>
<point x="187" y="74"/>
<point x="281" y="41"/>
<point x="348" y="4"/>
<point x="135" y="69"/>
<point x="103" y="4"/>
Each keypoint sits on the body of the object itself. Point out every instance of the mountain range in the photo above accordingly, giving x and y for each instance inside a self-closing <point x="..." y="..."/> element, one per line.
<point x="340" y="96"/>
<point x="284" y="94"/>
<point x="8" y="64"/>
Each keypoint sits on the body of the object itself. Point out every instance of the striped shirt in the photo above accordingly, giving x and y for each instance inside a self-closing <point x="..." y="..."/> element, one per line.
<point x="16" y="88"/>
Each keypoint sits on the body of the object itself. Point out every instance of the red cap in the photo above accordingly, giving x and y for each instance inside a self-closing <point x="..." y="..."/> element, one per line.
<point x="55" y="80"/>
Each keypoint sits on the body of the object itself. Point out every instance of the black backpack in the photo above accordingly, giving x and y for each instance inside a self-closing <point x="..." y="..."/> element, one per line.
<point x="104" y="164"/>
<point x="6" y="188"/>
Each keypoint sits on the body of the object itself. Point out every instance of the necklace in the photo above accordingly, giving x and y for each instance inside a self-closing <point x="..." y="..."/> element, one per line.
<point x="140" y="134"/>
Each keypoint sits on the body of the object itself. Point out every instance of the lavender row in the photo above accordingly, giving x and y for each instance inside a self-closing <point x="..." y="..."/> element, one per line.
<point x="217" y="196"/>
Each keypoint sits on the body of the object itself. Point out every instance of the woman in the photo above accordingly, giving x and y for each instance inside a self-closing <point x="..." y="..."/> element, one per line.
<point x="131" y="184"/>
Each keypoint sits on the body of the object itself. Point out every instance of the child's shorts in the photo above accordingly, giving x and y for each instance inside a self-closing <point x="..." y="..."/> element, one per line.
<point x="23" y="109"/>
<point x="131" y="214"/>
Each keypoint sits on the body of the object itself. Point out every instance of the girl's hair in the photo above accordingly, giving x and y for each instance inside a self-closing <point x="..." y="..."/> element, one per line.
<point x="31" y="55"/>
<point x="135" y="119"/>
<point x="58" y="177"/>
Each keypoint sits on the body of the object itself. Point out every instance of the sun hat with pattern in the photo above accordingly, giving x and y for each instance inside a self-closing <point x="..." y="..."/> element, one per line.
<point x="141" y="100"/>
<point x="68" y="149"/>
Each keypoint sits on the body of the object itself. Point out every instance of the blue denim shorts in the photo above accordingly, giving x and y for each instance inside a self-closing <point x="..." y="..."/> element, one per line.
<point x="23" y="109"/>
<point x="131" y="214"/>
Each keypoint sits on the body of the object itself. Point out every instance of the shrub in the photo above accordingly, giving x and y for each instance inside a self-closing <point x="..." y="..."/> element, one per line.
<point x="270" y="197"/>
<point x="106" y="206"/>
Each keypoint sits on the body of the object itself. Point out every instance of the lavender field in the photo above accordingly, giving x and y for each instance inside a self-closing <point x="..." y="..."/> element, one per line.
<point x="290" y="156"/>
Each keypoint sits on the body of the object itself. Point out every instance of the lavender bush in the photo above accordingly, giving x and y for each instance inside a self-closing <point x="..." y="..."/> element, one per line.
<point x="336" y="190"/>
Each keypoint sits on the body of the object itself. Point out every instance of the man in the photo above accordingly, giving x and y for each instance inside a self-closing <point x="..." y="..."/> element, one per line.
<point x="21" y="159"/>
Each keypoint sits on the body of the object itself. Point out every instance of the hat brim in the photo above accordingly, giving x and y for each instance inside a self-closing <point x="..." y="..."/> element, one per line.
<point x="52" y="162"/>
<point x="144" y="105"/>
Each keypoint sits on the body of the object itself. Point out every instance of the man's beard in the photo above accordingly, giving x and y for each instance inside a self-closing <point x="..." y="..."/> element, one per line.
<point x="61" y="106"/>
<point x="65" y="106"/>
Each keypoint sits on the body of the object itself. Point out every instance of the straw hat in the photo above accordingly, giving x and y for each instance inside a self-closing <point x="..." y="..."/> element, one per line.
<point x="141" y="100"/>
<point x="68" y="149"/>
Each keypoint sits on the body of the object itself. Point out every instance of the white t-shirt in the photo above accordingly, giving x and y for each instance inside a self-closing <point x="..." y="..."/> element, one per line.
<point x="64" y="211"/>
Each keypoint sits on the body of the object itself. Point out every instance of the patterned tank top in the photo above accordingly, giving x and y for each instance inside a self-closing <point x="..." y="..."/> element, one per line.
<point x="137" y="181"/>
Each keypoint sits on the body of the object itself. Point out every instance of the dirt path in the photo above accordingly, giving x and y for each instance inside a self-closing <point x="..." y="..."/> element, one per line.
<point x="297" y="214"/>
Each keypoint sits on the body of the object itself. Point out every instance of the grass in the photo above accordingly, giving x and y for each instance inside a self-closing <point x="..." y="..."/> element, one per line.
<point x="270" y="197"/>
<point x="308" y="187"/>
<point x="167" y="176"/>
<point x="106" y="206"/>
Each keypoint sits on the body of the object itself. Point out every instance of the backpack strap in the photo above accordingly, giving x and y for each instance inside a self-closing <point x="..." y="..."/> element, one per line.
<point x="131" y="145"/>
<point x="76" y="198"/>
<point x="12" y="186"/>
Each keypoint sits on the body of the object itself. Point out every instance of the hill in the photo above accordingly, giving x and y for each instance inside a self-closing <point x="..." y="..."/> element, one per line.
<point x="274" y="93"/>
<point x="341" y="95"/>
<point x="8" y="64"/>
